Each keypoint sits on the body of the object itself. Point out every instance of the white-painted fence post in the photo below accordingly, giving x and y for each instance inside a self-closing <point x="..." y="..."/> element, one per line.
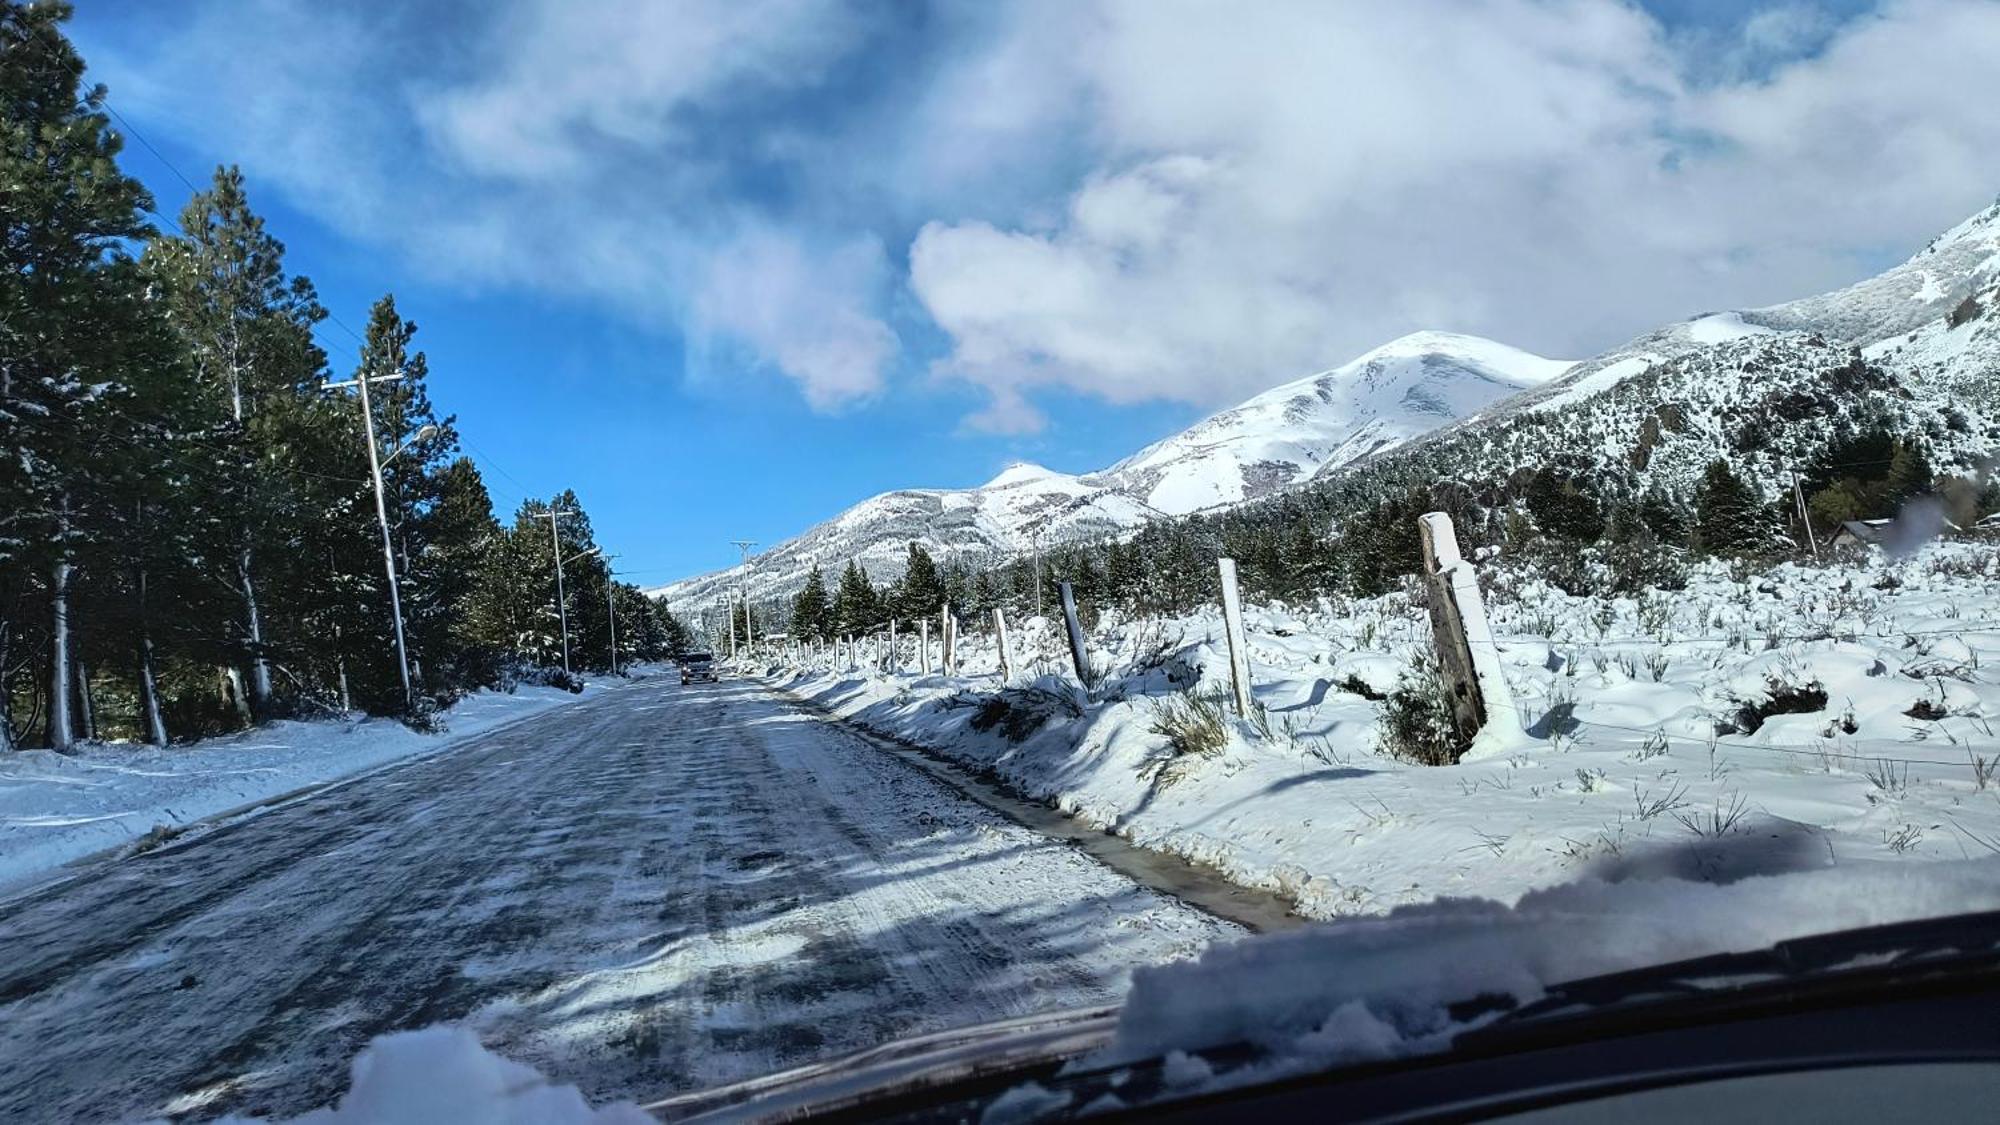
<point x="924" y="644"/>
<point x="1232" y="628"/>
<point x="947" y="642"/>
<point x="1006" y="650"/>
<point x="893" y="662"/>
<point x="1077" y="656"/>
<point x="1467" y="655"/>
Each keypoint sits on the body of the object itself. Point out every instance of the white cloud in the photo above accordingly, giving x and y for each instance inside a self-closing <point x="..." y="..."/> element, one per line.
<point x="560" y="86"/>
<point x="1541" y="172"/>
<point x="1128" y="199"/>
<point x="557" y="147"/>
<point x="807" y="313"/>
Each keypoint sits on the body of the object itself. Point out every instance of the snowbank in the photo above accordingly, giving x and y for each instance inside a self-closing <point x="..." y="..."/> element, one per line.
<point x="57" y="808"/>
<point x="441" y="1074"/>
<point x="1856" y="705"/>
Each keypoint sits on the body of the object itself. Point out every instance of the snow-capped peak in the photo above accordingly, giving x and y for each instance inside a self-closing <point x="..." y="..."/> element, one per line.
<point x="1313" y="425"/>
<point x="1024" y="472"/>
<point x="1514" y="364"/>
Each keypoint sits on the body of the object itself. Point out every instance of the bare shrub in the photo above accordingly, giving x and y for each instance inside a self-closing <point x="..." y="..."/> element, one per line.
<point x="1195" y="730"/>
<point x="1719" y="820"/>
<point x="1417" y="724"/>
<point x="1019" y="712"/>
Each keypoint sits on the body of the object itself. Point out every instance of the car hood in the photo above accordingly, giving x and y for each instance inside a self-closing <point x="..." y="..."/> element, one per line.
<point x="906" y="1065"/>
<point x="965" y="1066"/>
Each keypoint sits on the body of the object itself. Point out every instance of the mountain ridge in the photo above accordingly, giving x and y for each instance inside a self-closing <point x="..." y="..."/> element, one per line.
<point x="1407" y="394"/>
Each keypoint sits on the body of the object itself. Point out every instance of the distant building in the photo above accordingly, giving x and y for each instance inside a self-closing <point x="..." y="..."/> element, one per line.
<point x="1867" y="533"/>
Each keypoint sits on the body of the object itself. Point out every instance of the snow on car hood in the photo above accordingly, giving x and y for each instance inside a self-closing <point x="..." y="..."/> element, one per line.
<point x="1336" y="992"/>
<point x="1367" y="988"/>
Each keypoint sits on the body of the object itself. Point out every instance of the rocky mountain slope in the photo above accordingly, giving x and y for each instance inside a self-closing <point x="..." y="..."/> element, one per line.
<point x="1283" y="437"/>
<point x="1762" y="386"/>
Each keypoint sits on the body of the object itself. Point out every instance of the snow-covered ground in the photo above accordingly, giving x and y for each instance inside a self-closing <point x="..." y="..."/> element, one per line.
<point x="1620" y="771"/>
<point x="58" y="808"/>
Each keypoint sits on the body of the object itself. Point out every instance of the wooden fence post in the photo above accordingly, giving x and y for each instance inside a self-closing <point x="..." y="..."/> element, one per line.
<point x="947" y="654"/>
<point x="1232" y="628"/>
<point x="924" y="644"/>
<point x="1006" y="652"/>
<point x="1467" y="656"/>
<point x="892" y="647"/>
<point x="1077" y="656"/>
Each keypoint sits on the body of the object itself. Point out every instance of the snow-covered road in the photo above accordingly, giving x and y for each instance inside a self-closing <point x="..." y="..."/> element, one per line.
<point x="658" y="889"/>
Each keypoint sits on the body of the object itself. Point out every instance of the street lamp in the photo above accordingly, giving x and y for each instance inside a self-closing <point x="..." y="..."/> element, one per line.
<point x="424" y="431"/>
<point x="375" y="463"/>
<point x="562" y="611"/>
<point x="749" y="641"/>
<point x="611" y="609"/>
<point x="562" y="603"/>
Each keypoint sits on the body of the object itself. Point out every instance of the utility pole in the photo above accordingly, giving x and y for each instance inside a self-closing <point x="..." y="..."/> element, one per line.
<point x="743" y="585"/>
<point x="562" y="609"/>
<point x="611" y="608"/>
<point x="361" y="383"/>
<point x="1799" y="494"/>
<point x="1038" y="572"/>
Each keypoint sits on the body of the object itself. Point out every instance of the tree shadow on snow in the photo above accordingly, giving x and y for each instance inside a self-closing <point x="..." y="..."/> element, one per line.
<point x="1763" y="845"/>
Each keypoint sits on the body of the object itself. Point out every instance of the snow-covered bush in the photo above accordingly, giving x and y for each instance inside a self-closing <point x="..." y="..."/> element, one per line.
<point x="1417" y="723"/>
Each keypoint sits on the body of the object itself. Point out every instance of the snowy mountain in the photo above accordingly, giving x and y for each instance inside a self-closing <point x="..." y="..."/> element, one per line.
<point x="1760" y="385"/>
<point x="1299" y="430"/>
<point x="1914" y="350"/>
<point x="1959" y="263"/>
<point x="1281" y="438"/>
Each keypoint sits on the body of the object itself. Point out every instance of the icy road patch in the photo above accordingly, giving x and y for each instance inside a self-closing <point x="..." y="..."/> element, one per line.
<point x="656" y="890"/>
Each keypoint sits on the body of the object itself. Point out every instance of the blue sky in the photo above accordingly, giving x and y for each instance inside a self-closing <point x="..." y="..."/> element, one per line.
<point x="727" y="266"/>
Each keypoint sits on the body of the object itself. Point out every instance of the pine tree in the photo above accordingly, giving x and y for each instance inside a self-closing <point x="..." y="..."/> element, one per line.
<point x="920" y="592"/>
<point x="65" y="389"/>
<point x="1563" y="509"/>
<point x="247" y="328"/>
<point x="1909" y="475"/>
<point x="1729" y="519"/>
<point x="812" y="609"/>
<point x="856" y="606"/>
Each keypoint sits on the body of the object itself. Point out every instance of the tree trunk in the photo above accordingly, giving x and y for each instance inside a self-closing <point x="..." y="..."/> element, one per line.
<point x="150" y="718"/>
<point x="232" y="693"/>
<point x="86" y="706"/>
<point x="6" y="690"/>
<point x="340" y="665"/>
<point x="260" y="667"/>
<point x="62" y="737"/>
<point x="151" y="723"/>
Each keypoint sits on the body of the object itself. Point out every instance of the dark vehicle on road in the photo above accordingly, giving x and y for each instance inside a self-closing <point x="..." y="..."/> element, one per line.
<point x="697" y="666"/>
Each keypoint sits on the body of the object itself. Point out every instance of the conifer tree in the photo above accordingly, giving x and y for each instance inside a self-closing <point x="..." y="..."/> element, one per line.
<point x="73" y="325"/>
<point x="812" y="609"/>
<point x="856" y="606"/>
<point x="247" y="328"/>
<point x="919" y="593"/>
<point x="1728" y="516"/>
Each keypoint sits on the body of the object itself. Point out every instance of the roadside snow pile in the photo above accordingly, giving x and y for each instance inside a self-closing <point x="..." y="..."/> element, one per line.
<point x="1748" y="724"/>
<point x="442" y="1074"/>
<point x="1368" y="988"/>
<point x="56" y="808"/>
